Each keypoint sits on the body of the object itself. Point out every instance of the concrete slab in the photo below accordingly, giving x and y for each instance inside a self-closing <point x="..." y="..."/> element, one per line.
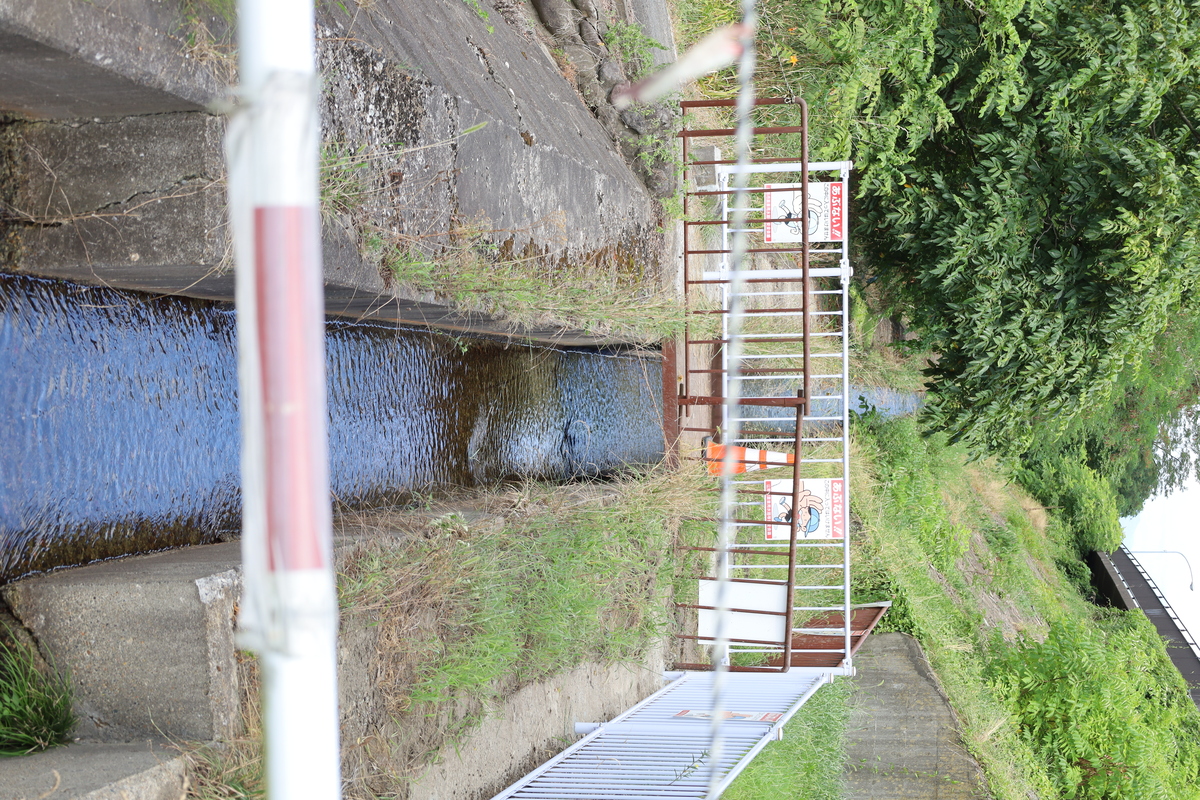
<point x="75" y="59"/>
<point x="94" y="771"/>
<point x="543" y="169"/>
<point x="148" y="641"/>
<point x="903" y="739"/>
<point x="147" y="192"/>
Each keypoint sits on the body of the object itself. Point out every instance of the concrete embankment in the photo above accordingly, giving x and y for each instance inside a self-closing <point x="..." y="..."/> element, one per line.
<point x="903" y="737"/>
<point x="113" y="171"/>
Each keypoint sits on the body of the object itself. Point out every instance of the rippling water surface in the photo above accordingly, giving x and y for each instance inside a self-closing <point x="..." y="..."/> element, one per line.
<point x="119" y="423"/>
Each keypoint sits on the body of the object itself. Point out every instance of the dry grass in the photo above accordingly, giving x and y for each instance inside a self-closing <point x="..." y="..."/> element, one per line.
<point x="476" y="267"/>
<point x="232" y="770"/>
<point x="468" y="598"/>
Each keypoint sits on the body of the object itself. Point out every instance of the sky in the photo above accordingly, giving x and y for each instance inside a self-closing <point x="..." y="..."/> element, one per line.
<point x="1170" y="523"/>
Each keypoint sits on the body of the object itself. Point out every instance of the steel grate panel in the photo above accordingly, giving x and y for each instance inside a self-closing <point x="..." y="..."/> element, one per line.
<point x="647" y="753"/>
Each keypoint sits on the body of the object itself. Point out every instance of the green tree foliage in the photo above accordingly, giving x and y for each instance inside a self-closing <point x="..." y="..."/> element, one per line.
<point x="1037" y="202"/>
<point x="1144" y="441"/>
<point x="1106" y="709"/>
<point x="1083" y="499"/>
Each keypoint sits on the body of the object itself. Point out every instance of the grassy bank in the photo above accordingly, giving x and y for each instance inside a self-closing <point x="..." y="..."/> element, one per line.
<point x="547" y="578"/>
<point x="807" y="763"/>
<point x="1055" y="696"/>
<point x="619" y="290"/>
<point x="472" y="597"/>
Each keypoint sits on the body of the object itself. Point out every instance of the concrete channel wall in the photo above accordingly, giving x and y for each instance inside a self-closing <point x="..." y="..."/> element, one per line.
<point x="149" y="643"/>
<point x="112" y="169"/>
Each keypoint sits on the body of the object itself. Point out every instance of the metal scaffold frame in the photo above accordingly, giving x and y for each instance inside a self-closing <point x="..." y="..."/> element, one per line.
<point x="795" y="333"/>
<point x="692" y="738"/>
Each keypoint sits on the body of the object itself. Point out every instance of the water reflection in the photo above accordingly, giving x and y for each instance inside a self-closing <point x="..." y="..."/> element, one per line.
<point x="119" y="427"/>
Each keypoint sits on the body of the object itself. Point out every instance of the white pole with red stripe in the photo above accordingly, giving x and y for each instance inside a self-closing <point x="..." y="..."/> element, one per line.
<point x="289" y="610"/>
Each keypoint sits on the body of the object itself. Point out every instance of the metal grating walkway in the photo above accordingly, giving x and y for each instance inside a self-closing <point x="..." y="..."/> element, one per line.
<point x="649" y="752"/>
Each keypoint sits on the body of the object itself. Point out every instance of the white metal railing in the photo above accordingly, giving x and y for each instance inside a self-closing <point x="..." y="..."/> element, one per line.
<point x="1183" y="631"/>
<point x="792" y="325"/>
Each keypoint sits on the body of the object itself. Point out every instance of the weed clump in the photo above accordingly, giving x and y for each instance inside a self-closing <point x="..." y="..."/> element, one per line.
<point x="35" y="703"/>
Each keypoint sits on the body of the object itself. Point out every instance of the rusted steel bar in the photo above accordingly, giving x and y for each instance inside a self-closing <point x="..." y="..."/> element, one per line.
<point x="730" y="103"/>
<point x="749" y="250"/>
<point x="736" y="641"/>
<point x="785" y="402"/>
<point x="795" y="520"/>
<point x="758" y="492"/>
<point x="746" y="339"/>
<point x="737" y="550"/>
<point x="713" y="132"/>
<point x="862" y="637"/>
<point x="746" y="580"/>
<point x="734" y="610"/>
<point x="754" y="311"/>
<point x="690" y="667"/>
<point x="773" y="160"/>
<point x="738" y="461"/>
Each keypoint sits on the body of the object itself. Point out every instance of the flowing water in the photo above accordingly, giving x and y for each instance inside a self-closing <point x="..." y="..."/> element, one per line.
<point x="119" y="425"/>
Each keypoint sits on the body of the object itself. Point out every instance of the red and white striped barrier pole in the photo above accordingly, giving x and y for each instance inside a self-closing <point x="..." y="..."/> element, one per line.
<point x="289" y="610"/>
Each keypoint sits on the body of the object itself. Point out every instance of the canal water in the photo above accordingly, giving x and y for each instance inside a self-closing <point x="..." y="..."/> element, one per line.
<point x="119" y="427"/>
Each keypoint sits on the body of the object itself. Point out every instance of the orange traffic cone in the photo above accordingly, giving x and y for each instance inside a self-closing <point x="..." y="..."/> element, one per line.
<point x="745" y="459"/>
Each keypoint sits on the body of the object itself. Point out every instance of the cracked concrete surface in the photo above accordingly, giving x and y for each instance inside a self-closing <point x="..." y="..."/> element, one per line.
<point x="137" y="201"/>
<point x="145" y="191"/>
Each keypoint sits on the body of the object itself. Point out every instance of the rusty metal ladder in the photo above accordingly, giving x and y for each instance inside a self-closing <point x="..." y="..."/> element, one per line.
<point x="795" y="359"/>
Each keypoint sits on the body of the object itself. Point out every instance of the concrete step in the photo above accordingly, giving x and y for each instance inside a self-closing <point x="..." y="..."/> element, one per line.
<point x="147" y="640"/>
<point x="96" y="771"/>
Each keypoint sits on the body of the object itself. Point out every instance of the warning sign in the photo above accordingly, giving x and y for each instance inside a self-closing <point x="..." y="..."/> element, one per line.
<point x="782" y="202"/>
<point x="821" y="505"/>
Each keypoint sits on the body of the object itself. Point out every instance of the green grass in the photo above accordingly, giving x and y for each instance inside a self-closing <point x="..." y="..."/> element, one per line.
<point x="807" y="764"/>
<point x="610" y="295"/>
<point x="632" y="47"/>
<point x="980" y="575"/>
<point x="563" y="580"/>
<point x="35" y="703"/>
<point x="233" y="771"/>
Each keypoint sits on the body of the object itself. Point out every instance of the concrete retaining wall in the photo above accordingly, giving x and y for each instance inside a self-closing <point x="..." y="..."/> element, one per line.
<point x="125" y="186"/>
